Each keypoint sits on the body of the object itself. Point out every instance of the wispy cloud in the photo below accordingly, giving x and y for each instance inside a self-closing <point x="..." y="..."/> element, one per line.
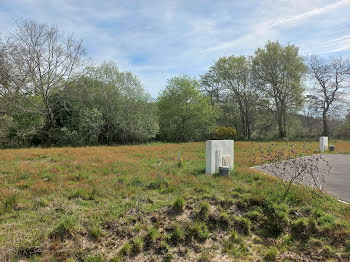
<point x="293" y="20"/>
<point x="160" y="39"/>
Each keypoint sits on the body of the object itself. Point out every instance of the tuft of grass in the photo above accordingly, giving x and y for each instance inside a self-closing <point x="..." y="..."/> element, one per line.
<point x="95" y="231"/>
<point x="327" y="251"/>
<point x="200" y="231"/>
<point x="314" y="243"/>
<point x="271" y="254"/>
<point x="10" y="202"/>
<point x="65" y="227"/>
<point x="126" y="250"/>
<point x="163" y="247"/>
<point x="254" y="215"/>
<point x="180" y="163"/>
<point x="224" y="219"/>
<point x="168" y="257"/>
<point x="137" y="228"/>
<point x="152" y="236"/>
<point x="235" y="246"/>
<point x="204" y="211"/>
<point x="299" y="228"/>
<point x="242" y="225"/>
<point x="179" y="204"/>
<point x="178" y="235"/>
<point x="326" y="222"/>
<point x="137" y="245"/>
<point x="276" y="218"/>
<point x="117" y="258"/>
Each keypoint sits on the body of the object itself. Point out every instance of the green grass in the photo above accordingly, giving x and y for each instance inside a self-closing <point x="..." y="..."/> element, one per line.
<point x="179" y="204"/>
<point x="271" y="254"/>
<point x="56" y="200"/>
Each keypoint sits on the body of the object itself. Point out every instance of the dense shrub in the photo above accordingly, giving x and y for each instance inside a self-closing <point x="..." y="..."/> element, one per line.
<point x="225" y="133"/>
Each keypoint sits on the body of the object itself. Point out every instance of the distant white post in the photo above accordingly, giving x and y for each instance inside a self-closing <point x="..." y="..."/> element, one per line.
<point x="323" y="143"/>
<point x="219" y="153"/>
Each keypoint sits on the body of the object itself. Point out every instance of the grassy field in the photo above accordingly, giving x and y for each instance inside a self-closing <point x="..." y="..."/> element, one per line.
<point x="140" y="202"/>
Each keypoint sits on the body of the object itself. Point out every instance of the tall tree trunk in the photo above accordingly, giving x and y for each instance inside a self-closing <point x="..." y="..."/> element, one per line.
<point x="248" y="128"/>
<point x="281" y="131"/>
<point x="280" y="124"/>
<point x="325" y="131"/>
<point x="284" y="123"/>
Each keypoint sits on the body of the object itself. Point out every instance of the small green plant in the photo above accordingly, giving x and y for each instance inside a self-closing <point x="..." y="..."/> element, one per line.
<point x="137" y="245"/>
<point x="299" y="228"/>
<point x="234" y="237"/>
<point x="286" y="242"/>
<point x="95" y="231"/>
<point x="117" y="258"/>
<point x="200" y="231"/>
<point x="326" y="222"/>
<point x="10" y="202"/>
<point x="137" y="228"/>
<point x="242" y="225"/>
<point x="179" y="204"/>
<point x="64" y="227"/>
<point x="204" y="211"/>
<point x="126" y="249"/>
<point x="81" y="193"/>
<point x="163" y="246"/>
<point x="327" y="251"/>
<point x="314" y="242"/>
<point x="180" y="163"/>
<point x="177" y="235"/>
<point x="235" y="246"/>
<point x="152" y="236"/>
<point x="271" y="254"/>
<point x="254" y="215"/>
<point x="204" y="257"/>
<point x="276" y="219"/>
<point x="224" y="219"/>
<point x="168" y="257"/>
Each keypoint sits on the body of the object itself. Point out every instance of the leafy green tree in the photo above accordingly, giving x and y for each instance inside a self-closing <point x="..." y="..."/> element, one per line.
<point x="234" y="76"/>
<point x="90" y="125"/>
<point x="344" y="129"/>
<point x="123" y="110"/>
<point x="184" y="113"/>
<point x="278" y="73"/>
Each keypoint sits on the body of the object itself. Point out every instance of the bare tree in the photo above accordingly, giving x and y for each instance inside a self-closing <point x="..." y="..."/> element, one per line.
<point x="291" y="169"/>
<point x="41" y="59"/>
<point x="331" y="80"/>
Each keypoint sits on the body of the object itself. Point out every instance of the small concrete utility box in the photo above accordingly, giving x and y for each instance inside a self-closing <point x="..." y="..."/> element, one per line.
<point x="323" y="143"/>
<point x="218" y="153"/>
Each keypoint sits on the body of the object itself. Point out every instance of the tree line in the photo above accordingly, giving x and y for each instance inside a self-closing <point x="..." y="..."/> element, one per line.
<point x="50" y="95"/>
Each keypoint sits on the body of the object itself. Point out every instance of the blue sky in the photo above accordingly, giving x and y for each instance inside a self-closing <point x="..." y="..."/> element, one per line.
<point x="160" y="39"/>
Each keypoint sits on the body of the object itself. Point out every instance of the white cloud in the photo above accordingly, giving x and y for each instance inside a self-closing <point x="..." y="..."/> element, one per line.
<point x="293" y="20"/>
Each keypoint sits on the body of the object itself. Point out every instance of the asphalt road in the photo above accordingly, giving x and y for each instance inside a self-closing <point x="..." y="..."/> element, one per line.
<point x="337" y="183"/>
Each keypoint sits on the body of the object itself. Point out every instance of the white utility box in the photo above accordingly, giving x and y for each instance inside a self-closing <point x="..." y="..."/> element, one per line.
<point x="219" y="153"/>
<point x="323" y="143"/>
